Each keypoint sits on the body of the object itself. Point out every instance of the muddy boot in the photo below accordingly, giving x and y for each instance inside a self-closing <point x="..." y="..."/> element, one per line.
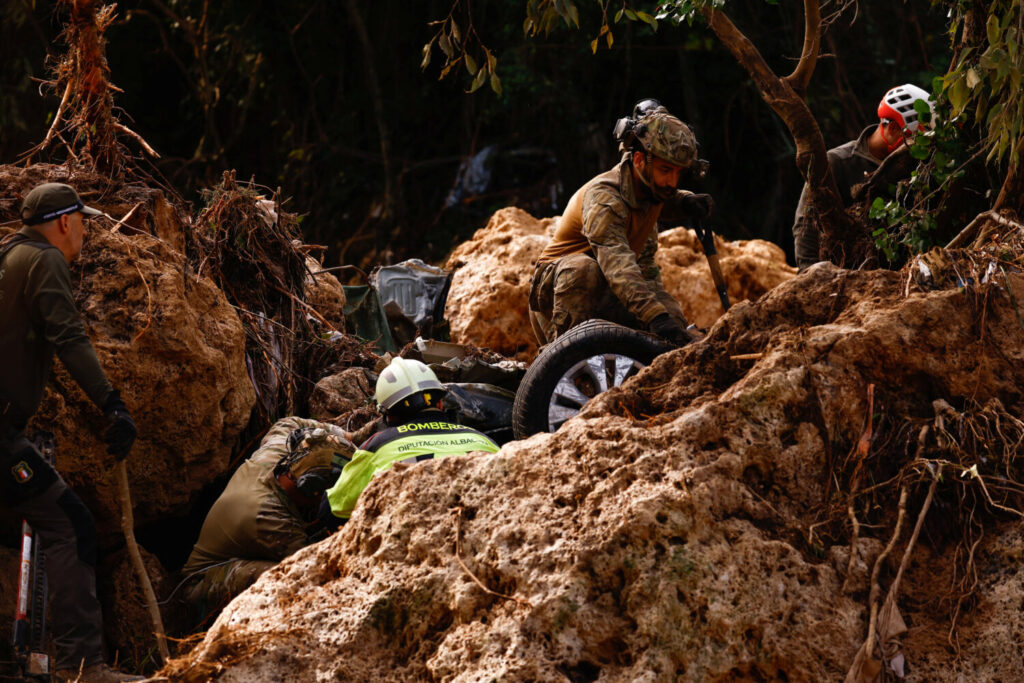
<point x="97" y="673"/>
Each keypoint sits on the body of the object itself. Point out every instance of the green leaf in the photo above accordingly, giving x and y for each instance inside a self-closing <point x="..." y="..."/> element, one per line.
<point x="495" y="83"/>
<point x="992" y="29"/>
<point x="646" y="18"/>
<point x="471" y="66"/>
<point x="481" y="76"/>
<point x="630" y="14"/>
<point x="574" y="14"/>
<point x="618" y="16"/>
<point x="446" y="45"/>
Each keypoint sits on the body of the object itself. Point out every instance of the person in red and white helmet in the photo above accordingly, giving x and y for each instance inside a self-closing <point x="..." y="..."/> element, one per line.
<point x="852" y="162"/>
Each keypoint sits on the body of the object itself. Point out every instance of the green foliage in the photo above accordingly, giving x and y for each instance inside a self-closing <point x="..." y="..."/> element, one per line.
<point x="984" y="84"/>
<point x="907" y="218"/>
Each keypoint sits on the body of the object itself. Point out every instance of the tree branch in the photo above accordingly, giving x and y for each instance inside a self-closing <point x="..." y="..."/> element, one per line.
<point x="801" y="75"/>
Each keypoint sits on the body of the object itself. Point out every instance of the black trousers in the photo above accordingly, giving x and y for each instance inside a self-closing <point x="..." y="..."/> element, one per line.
<point x="65" y="529"/>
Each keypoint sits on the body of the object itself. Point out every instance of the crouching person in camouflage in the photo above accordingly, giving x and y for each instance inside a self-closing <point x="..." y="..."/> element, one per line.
<point x="266" y="513"/>
<point x="600" y="262"/>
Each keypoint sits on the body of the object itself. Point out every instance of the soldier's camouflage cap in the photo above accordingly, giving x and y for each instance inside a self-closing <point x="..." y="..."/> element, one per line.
<point x="668" y="138"/>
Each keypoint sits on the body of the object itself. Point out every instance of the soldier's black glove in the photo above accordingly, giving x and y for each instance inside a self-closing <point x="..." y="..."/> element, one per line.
<point x="668" y="328"/>
<point x="121" y="430"/>
<point x="699" y="206"/>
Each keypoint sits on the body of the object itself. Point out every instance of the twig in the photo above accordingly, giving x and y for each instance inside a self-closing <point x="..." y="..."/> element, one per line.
<point x="57" y="118"/>
<point x="138" y="138"/>
<point x="117" y="226"/>
<point x="128" y="527"/>
<point x="458" y="556"/>
<point x="875" y="589"/>
<point x="149" y="303"/>
<point x="747" y="356"/>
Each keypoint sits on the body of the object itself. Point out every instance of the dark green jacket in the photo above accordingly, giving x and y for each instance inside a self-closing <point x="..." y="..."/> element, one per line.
<point x="38" y="318"/>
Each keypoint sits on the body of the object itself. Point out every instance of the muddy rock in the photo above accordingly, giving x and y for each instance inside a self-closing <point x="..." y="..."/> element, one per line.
<point x="750" y="267"/>
<point x="690" y="525"/>
<point x="167" y="340"/>
<point x="490" y="290"/>
<point x="489" y="296"/>
<point x="341" y="393"/>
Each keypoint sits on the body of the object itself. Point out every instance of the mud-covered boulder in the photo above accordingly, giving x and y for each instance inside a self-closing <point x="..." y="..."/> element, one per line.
<point x="696" y="523"/>
<point x="750" y="268"/>
<point x="489" y="297"/>
<point x="341" y="393"/>
<point x="168" y="340"/>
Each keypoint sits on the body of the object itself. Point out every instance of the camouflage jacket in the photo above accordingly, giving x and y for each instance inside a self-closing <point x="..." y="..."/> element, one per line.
<point x="615" y="220"/>
<point x="253" y="518"/>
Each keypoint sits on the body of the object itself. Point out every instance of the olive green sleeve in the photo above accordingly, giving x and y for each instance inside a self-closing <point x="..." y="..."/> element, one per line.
<point x="48" y="288"/>
<point x="604" y="225"/>
<point x="648" y="266"/>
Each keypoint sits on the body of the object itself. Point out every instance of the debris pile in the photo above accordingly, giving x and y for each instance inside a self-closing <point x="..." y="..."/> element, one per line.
<point x="834" y="462"/>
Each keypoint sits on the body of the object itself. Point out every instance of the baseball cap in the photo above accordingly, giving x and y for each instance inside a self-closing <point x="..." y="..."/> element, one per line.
<point x="51" y="200"/>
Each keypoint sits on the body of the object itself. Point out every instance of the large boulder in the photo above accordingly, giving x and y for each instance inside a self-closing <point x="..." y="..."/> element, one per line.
<point x="750" y="268"/>
<point x="168" y="340"/>
<point x="489" y="297"/>
<point x="693" y="524"/>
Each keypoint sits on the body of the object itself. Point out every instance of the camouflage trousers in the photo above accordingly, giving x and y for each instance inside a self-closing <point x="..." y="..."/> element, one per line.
<point x="572" y="290"/>
<point x="208" y="591"/>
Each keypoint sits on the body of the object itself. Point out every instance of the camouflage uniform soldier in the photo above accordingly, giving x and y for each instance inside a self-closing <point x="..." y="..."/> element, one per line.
<point x="600" y="262"/>
<point x="266" y="512"/>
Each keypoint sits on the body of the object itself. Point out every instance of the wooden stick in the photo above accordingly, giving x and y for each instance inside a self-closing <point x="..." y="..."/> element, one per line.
<point x="128" y="527"/>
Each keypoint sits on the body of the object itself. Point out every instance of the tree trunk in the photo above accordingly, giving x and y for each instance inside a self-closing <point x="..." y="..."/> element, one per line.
<point x="784" y="96"/>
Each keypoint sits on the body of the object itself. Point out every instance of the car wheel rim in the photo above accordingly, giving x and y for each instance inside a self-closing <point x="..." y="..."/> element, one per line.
<point x="585" y="380"/>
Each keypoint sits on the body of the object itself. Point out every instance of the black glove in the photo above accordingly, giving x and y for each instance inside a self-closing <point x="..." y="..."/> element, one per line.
<point x="121" y="431"/>
<point x="667" y="327"/>
<point x="699" y="206"/>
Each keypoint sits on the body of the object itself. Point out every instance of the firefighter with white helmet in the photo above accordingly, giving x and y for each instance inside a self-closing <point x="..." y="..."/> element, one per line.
<point x="410" y="397"/>
<point x="898" y="121"/>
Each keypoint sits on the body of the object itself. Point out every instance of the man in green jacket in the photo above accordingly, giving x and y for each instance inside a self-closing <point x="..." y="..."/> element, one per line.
<point x="38" y="319"/>
<point x="600" y="261"/>
<point x="409" y="395"/>
<point x="267" y="511"/>
<point x="854" y="161"/>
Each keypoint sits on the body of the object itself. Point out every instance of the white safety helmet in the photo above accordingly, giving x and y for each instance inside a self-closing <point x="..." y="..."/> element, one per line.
<point x="898" y="105"/>
<point x="402" y="379"/>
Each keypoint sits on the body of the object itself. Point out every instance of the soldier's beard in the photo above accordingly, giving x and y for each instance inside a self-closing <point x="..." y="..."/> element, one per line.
<point x="661" y="193"/>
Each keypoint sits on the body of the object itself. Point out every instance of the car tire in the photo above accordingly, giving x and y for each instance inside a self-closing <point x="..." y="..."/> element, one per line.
<point x="585" y="361"/>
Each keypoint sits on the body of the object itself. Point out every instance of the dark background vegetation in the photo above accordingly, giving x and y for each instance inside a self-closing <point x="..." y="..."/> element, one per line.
<point x="284" y="93"/>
